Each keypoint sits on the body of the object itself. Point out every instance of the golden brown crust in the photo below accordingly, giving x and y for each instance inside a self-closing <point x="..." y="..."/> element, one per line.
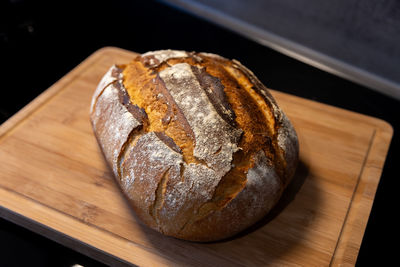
<point x="196" y="142"/>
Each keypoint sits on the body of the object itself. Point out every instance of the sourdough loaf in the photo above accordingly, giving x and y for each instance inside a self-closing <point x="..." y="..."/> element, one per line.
<point x="196" y="142"/>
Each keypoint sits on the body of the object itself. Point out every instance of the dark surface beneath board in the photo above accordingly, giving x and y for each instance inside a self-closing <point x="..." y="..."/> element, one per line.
<point x="42" y="40"/>
<point x="357" y="39"/>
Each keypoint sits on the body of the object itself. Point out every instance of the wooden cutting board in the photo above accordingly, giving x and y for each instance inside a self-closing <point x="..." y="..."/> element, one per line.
<point x="54" y="181"/>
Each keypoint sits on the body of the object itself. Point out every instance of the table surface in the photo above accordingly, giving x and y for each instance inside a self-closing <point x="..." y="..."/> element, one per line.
<point x="335" y="36"/>
<point x="30" y="36"/>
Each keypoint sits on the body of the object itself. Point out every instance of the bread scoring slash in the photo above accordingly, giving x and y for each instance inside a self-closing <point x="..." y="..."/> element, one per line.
<point x="196" y="142"/>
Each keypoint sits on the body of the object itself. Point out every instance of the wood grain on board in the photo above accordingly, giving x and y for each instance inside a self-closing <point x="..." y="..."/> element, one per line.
<point x="54" y="181"/>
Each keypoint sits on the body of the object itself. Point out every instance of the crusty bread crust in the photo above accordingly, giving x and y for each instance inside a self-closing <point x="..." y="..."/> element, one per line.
<point x="196" y="142"/>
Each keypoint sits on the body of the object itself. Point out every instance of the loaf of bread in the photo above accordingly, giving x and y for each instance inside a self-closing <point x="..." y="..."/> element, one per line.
<point x="196" y="142"/>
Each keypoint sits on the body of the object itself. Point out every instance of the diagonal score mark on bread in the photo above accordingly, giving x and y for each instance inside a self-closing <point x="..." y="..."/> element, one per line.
<point x="211" y="140"/>
<point x="159" y="199"/>
<point x="148" y="91"/>
<point x="210" y="130"/>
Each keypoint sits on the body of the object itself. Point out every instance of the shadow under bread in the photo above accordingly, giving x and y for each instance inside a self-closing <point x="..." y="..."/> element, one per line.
<point x="288" y="195"/>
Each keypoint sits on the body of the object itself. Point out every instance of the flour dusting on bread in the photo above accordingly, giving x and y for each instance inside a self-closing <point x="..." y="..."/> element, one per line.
<point x="197" y="143"/>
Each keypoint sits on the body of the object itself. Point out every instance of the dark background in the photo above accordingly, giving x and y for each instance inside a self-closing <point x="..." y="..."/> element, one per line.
<point x="355" y="38"/>
<point x="42" y="40"/>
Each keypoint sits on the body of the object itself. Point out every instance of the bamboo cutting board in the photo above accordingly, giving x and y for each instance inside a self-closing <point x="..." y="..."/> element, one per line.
<point x="54" y="181"/>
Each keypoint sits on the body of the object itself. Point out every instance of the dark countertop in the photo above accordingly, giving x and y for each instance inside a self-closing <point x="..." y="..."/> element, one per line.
<point x="42" y="40"/>
<point x="357" y="40"/>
